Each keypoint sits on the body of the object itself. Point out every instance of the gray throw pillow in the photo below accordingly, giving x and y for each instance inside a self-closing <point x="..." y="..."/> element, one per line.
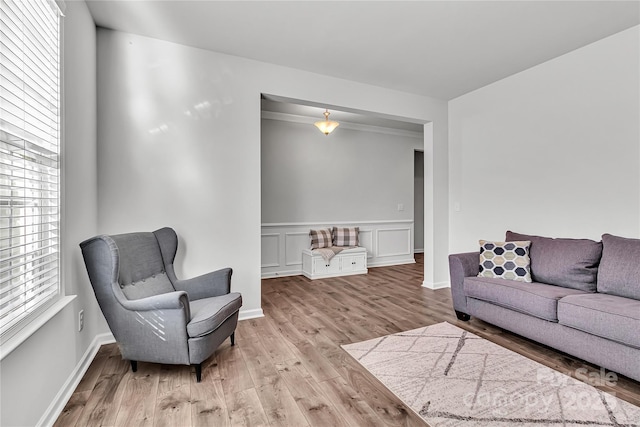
<point x="619" y="272"/>
<point x="570" y="263"/>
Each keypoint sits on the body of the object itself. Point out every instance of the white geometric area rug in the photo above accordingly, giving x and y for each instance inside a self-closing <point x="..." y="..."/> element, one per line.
<point x="451" y="377"/>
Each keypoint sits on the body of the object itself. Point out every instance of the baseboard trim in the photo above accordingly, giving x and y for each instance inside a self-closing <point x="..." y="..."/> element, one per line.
<point x="391" y="263"/>
<point x="437" y="285"/>
<point x="57" y="405"/>
<point x="250" y="314"/>
<point x="281" y="274"/>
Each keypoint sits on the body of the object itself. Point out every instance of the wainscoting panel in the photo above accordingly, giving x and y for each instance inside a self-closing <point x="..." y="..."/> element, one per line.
<point x="387" y="243"/>
<point x="394" y="242"/>
<point x="270" y="250"/>
<point x="366" y="240"/>
<point x="294" y="244"/>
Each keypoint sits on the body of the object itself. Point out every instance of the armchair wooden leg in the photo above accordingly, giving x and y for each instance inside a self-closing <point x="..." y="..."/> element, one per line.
<point x="198" y="372"/>
<point x="233" y="338"/>
<point x="134" y="365"/>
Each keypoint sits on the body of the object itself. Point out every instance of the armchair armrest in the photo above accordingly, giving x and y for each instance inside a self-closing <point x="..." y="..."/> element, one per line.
<point x="207" y="285"/>
<point x="461" y="266"/>
<point x="153" y="328"/>
<point x="168" y="301"/>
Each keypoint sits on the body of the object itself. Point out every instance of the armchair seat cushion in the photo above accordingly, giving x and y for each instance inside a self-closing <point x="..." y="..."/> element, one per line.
<point x="207" y="314"/>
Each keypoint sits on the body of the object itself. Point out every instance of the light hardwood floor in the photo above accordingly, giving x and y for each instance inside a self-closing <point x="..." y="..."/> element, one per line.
<point x="287" y="369"/>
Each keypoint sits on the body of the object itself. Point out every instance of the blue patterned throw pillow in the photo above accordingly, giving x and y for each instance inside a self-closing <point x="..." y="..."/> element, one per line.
<point x="505" y="260"/>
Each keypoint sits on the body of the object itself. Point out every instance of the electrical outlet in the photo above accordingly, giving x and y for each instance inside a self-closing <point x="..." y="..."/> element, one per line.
<point x="400" y="207"/>
<point x="80" y="320"/>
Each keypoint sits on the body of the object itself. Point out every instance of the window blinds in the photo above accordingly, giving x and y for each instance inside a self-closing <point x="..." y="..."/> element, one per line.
<point x="29" y="158"/>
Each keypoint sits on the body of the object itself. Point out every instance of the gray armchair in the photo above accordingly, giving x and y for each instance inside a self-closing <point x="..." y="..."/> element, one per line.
<point x="154" y="316"/>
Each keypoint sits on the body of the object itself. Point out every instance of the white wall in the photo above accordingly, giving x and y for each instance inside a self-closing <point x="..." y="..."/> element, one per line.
<point x="179" y="145"/>
<point x="36" y="372"/>
<point x="349" y="175"/>
<point x="553" y="150"/>
<point x="79" y="165"/>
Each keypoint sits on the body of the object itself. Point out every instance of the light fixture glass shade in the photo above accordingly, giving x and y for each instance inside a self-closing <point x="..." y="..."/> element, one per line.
<point x="326" y="126"/>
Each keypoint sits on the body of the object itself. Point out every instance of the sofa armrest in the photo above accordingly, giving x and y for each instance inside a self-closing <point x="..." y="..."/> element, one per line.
<point x="461" y="266"/>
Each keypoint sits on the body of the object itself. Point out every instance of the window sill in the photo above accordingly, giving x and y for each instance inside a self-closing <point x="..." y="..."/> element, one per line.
<point x="23" y="334"/>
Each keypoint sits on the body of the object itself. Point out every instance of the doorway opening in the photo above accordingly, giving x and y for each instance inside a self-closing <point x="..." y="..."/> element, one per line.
<point x="360" y="175"/>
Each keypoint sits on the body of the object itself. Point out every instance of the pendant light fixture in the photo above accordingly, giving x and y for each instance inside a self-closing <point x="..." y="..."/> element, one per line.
<point x="326" y="126"/>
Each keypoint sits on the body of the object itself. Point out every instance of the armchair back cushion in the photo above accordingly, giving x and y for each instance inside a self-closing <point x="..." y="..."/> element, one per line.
<point x="141" y="273"/>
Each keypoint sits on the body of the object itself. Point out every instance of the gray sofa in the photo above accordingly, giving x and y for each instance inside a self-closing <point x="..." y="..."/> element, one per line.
<point x="584" y="299"/>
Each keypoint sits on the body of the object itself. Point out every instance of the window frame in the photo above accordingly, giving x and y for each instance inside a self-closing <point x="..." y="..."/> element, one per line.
<point x="33" y="319"/>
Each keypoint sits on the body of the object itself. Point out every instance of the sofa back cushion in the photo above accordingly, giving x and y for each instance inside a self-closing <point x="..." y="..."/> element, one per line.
<point x="619" y="272"/>
<point x="570" y="263"/>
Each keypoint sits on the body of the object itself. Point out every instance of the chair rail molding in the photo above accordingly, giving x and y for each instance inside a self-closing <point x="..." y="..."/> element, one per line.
<point x="388" y="242"/>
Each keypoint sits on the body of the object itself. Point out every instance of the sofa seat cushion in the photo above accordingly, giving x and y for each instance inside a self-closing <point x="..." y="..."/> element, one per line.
<point x="536" y="299"/>
<point x="209" y="313"/>
<point x="607" y="316"/>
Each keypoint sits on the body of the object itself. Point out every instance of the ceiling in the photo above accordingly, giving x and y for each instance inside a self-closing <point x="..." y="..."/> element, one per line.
<point x="441" y="49"/>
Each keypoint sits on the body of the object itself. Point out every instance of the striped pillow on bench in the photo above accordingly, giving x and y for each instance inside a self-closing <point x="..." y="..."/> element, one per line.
<point x="320" y="238"/>
<point x="345" y="236"/>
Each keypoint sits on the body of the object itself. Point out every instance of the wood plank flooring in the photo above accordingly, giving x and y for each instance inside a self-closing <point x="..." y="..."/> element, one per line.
<point x="287" y="369"/>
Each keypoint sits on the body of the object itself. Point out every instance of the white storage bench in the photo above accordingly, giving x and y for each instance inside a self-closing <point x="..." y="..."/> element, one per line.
<point x="348" y="262"/>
